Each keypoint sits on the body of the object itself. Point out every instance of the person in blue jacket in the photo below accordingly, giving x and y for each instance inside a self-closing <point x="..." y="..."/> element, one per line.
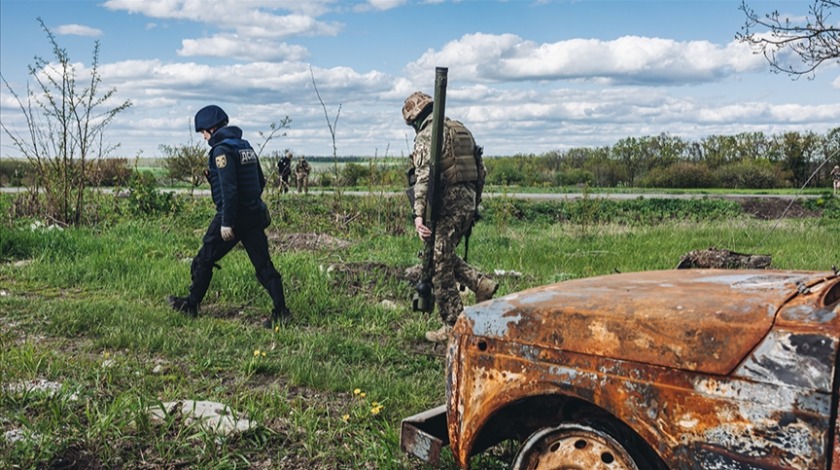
<point x="236" y="183"/>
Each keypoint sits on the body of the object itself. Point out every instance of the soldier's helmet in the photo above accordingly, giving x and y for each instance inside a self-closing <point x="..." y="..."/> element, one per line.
<point x="210" y="117"/>
<point x="414" y="105"/>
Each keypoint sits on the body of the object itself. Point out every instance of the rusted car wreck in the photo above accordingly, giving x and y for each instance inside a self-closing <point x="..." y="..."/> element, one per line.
<point x="680" y="369"/>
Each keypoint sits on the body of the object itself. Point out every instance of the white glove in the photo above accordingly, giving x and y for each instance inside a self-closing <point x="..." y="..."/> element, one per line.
<point x="227" y="233"/>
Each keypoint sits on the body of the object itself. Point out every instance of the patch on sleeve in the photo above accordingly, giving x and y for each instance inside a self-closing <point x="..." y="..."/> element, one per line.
<point x="221" y="161"/>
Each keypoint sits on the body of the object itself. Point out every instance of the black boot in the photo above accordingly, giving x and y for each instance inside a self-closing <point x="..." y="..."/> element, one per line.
<point x="183" y="305"/>
<point x="281" y="318"/>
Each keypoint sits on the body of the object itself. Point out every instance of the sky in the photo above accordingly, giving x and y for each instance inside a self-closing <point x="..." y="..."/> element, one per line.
<point x="526" y="76"/>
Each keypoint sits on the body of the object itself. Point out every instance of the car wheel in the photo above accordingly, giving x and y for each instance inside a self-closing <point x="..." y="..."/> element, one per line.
<point x="572" y="447"/>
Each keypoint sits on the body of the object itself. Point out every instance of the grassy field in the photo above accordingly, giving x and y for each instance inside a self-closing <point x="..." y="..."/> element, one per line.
<point x="85" y="308"/>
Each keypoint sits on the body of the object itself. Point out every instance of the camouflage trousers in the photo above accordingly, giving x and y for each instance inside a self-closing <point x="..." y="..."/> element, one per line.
<point x="302" y="181"/>
<point x="457" y="213"/>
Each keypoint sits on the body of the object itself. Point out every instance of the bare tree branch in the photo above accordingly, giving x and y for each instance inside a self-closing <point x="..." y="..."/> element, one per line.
<point x="815" y="40"/>
<point x="331" y="125"/>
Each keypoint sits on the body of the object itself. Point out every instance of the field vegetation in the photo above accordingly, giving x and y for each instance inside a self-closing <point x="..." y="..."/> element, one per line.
<point x="84" y="308"/>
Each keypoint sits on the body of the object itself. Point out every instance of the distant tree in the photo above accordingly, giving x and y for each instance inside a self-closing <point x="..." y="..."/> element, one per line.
<point x="815" y="40"/>
<point x="186" y="162"/>
<point x="799" y="153"/>
<point x="65" y="128"/>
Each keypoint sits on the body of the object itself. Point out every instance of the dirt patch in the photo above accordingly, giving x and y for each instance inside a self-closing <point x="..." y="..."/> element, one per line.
<point x="362" y="278"/>
<point x="714" y="258"/>
<point x="772" y="208"/>
<point x="306" y="241"/>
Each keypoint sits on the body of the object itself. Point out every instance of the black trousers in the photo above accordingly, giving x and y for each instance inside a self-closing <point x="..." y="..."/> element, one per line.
<point x="214" y="248"/>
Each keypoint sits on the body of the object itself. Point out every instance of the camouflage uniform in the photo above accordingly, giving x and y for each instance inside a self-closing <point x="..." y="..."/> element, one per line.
<point x="457" y="203"/>
<point x="302" y="175"/>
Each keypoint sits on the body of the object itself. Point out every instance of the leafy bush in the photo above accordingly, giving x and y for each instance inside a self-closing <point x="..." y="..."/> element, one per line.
<point x="573" y="177"/>
<point x="750" y="174"/>
<point x="108" y="172"/>
<point x="185" y="162"/>
<point x="353" y="174"/>
<point x="679" y="175"/>
<point x="15" y="172"/>
<point x="145" y="200"/>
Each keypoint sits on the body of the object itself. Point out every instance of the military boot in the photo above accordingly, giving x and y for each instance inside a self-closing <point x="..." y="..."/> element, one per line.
<point x="439" y="336"/>
<point x="283" y="317"/>
<point x="486" y="289"/>
<point x="183" y="305"/>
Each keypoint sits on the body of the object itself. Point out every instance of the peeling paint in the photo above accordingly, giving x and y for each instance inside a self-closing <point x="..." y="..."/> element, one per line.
<point x="711" y="369"/>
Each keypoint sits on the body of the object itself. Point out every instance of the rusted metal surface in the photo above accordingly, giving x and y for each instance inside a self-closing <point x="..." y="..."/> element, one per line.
<point x="712" y="369"/>
<point x="425" y="434"/>
<point x="573" y="447"/>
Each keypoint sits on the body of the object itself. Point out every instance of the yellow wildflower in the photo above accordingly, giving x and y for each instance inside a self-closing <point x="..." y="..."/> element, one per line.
<point x="256" y="352"/>
<point x="357" y="391"/>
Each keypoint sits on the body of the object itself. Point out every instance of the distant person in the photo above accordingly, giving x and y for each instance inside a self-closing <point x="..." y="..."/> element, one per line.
<point x="236" y="183"/>
<point x="462" y="175"/>
<point x="284" y="169"/>
<point x="835" y="174"/>
<point x="302" y="175"/>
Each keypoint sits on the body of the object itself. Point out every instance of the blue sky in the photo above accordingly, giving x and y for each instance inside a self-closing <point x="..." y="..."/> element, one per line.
<point x="526" y="76"/>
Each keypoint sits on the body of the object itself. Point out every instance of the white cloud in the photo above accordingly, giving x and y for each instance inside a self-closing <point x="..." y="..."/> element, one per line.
<point x="233" y="46"/>
<point x="630" y="59"/>
<point x="249" y="18"/>
<point x="77" y="30"/>
<point x="385" y="4"/>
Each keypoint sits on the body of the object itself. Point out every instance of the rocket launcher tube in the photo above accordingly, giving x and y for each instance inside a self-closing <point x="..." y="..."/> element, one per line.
<point x="424" y="298"/>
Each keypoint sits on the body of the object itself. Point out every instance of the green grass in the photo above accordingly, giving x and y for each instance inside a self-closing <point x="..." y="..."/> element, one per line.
<point x="85" y="307"/>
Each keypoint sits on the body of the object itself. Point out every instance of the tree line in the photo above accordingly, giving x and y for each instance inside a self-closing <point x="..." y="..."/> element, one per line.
<point x="749" y="160"/>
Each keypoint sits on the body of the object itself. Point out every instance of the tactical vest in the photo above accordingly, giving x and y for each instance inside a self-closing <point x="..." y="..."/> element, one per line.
<point x="458" y="164"/>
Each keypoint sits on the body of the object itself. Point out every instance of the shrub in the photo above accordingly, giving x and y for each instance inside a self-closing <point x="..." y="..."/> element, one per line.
<point x="108" y="172"/>
<point x="15" y="172"/>
<point x="679" y="175"/>
<point x="573" y="177"/>
<point x="750" y="174"/>
<point x="145" y="200"/>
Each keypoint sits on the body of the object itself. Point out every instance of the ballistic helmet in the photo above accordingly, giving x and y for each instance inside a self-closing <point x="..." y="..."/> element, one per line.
<point x="414" y="105"/>
<point x="210" y="117"/>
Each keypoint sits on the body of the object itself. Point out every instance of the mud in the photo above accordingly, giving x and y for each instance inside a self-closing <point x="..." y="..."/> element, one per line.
<point x="774" y="208"/>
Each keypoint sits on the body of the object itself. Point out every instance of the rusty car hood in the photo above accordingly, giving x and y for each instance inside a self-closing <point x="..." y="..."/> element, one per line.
<point x="700" y="320"/>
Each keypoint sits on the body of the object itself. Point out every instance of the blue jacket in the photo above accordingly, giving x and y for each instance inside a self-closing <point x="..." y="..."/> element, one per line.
<point x="236" y="177"/>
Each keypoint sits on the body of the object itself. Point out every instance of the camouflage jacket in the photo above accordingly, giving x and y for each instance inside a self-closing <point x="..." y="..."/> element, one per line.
<point x="421" y="157"/>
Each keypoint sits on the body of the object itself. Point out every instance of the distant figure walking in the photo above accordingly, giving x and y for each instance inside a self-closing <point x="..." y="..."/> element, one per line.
<point x="284" y="168"/>
<point x="302" y="175"/>
<point x="835" y="173"/>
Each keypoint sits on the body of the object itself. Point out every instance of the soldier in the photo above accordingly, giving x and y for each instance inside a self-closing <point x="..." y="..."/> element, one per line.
<point x="302" y="175"/>
<point x="462" y="174"/>
<point x="284" y="169"/>
<point x="236" y="183"/>
<point x="835" y="174"/>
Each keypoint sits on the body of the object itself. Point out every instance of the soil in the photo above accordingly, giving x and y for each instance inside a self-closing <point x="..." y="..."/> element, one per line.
<point x="772" y="208"/>
<point x="305" y="241"/>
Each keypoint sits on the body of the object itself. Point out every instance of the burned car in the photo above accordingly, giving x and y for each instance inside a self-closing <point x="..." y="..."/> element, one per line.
<point x="677" y="369"/>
